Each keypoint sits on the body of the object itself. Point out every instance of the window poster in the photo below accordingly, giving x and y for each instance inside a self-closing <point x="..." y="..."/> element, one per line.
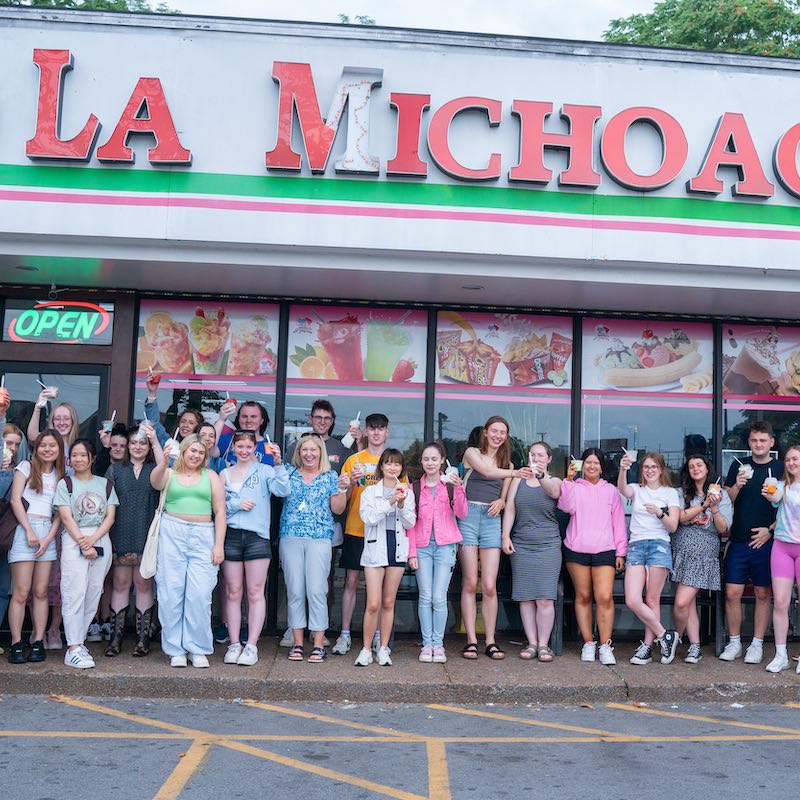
<point x="760" y="360"/>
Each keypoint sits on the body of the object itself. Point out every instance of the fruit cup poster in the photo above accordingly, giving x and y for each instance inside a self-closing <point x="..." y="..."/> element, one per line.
<point x="207" y="338"/>
<point x="760" y="360"/>
<point x="520" y="350"/>
<point x="352" y="345"/>
<point x="647" y="356"/>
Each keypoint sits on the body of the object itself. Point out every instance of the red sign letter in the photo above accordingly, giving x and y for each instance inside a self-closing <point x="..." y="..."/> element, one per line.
<point x="673" y="142"/>
<point x="438" y="135"/>
<point x="406" y="159"/>
<point x="533" y="139"/>
<point x="785" y="160"/>
<point x="46" y="142"/>
<point x="147" y="112"/>
<point x="732" y="146"/>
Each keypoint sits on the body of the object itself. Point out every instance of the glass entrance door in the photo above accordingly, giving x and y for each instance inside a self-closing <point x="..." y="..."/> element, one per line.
<point x="83" y="386"/>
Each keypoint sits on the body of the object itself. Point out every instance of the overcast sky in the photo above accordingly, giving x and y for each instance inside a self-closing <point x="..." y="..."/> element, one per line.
<point x="560" y="19"/>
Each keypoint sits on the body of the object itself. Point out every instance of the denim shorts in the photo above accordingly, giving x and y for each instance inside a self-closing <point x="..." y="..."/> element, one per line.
<point x="478" y="528"/>
<point x="649" y="553"/>
<point x="19" y="547"/>
<point x="242" y="545"/>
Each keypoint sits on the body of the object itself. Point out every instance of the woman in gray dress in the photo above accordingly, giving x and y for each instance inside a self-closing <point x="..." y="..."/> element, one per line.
<point x="137" y="506"/>
<point x="531" y="537"/>
<point x="706" y="514"/>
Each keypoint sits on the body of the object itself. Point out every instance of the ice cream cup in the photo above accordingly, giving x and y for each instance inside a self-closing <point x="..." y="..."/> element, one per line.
<point x="633" y="455"/>
<point x="715" y="489"/>
<point x="172" y="447"/>
<point x="747" y="469"/>
<point x="7" y="453"/>
<point x="577" y="464"/>
<point x="449" y="473"/>
<point x="108" y="424"/>
<point x="53" y="391"/>
<point x="141" y="433"/>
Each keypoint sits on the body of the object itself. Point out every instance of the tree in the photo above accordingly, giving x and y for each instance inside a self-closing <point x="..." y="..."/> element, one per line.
<point x="358" y="19"/>
<point x="756" y="27"/>
<point x="131" y="6"/>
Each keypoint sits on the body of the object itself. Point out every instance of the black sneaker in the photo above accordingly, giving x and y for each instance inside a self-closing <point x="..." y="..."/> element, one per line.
<point x="37" y="651"/>
<point x="669" y="644"/>
<point x="16" y="655"/>
<point x="643" y="654"/>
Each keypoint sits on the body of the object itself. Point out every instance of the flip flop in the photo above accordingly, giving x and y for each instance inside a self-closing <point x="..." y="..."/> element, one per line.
<point x="297" y="653"/>
<point x="470" y="650"/>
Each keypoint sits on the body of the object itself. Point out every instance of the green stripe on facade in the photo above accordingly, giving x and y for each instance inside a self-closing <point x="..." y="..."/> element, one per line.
<point x="400" y="192"/>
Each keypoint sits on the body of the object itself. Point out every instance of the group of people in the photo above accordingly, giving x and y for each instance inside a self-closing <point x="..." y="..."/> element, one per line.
<point x="211" y="487"/>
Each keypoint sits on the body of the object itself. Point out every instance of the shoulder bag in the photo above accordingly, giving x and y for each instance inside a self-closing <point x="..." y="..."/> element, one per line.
<point x="147" y="566"/>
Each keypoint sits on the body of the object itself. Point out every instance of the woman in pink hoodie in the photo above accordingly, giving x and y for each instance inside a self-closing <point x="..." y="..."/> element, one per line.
<point x="594" y="548"/>
<point x="432" y="542"/>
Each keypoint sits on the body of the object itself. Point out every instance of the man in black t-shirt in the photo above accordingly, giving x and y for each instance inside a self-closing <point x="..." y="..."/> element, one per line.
<point x="748" y="552"/>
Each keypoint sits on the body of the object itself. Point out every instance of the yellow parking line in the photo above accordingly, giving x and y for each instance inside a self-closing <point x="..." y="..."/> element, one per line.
<point x="295" y="712"/>
<point x="697" y="718"/>
<point x="323" y="772"/>
<point x="762" y="737"/>
<point x="186" y="767"/>
<point x="523" y="721"/>
<point x="438" y="771"/>
<point x="792" y="705"/>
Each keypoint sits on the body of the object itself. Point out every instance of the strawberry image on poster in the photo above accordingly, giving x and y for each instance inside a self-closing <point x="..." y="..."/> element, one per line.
<point x="404" y="371"/>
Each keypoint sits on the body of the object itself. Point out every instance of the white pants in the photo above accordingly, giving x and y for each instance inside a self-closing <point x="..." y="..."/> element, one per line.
<point x="306" y="564"/>
<point x="186" y="578"/>
<point x="81" y="584"/>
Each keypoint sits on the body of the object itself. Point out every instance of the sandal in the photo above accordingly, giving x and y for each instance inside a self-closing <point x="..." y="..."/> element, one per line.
<point x="529" y="652"/>
<point x="494" y="652"/>
<point x="545" y="653"/>
<point x="318" y="655"/>
<point x="470" y="650"/>
<point x="297" y="653"/>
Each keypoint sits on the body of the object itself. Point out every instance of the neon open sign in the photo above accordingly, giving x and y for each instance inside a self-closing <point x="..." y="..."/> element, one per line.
<point x="58" y="322"/>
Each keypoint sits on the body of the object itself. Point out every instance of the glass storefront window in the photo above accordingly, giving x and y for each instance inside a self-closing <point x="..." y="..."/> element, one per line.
<point x="205" y="352"/>
<point x="761" y="383"/>
<point x="516" y="366"/>
<point x="362" y="360"/>
<point x="647" y="385"/>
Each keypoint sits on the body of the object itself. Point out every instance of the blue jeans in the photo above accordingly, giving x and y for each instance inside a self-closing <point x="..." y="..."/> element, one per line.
<point x="435" y="568"/>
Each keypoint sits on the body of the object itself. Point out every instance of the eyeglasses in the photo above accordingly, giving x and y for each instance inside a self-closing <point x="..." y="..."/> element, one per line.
<point x="318" y="418"/>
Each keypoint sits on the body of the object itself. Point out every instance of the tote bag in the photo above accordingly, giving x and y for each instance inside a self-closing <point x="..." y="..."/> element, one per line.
<point x="147" y="566"/>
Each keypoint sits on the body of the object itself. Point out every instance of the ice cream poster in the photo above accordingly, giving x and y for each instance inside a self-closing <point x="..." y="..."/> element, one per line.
<point x="759" y="360"/>
<point x="647" y="356"/>
<point x="520" y="350"/>
<point x="352" y="345"/>
<point x="207" y="338"/>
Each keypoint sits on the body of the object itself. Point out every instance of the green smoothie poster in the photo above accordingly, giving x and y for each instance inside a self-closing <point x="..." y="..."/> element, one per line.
<point x="354" y="345"/>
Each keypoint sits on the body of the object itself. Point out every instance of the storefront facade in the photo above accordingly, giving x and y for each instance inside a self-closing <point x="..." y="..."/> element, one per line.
<point x="597" y="242"/>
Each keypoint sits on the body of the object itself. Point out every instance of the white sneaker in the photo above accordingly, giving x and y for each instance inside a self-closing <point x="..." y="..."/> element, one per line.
<point x="364" y="657"/>
<point x="249" y="656"/>
<point x="288" y="639"/>
<point x="754" y="654"/>
<point x="426" y="654"/>
<point x="439" y="655"/>
<point x="778" y="664"/>
<point x="732" y="651"/>
<point x="93" y="634"/>
<point x="607" y="654"/>
<point x="588" y="651"/>
<point x="77" y="659"/>
<point x="178" y="661"/>
<point x="383" y="657"/>
<point x="199" y="660"/>
<point x="86" y="654"/>
<point x="233" y="653"/>
<point x="343" y="645"/>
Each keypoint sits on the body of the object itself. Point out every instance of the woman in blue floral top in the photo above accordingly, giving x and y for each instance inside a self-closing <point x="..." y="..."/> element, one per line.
<point x="305" y="546"/>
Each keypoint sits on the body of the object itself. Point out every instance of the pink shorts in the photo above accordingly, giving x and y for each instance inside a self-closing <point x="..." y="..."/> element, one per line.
<point x="785" y="560"/>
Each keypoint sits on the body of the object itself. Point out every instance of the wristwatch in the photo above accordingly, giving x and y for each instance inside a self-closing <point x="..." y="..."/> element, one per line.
<point x="662" y="514"/>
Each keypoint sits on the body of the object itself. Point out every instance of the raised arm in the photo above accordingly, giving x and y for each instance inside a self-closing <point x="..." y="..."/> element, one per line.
<point x="625" y="489"/>
<point x="474" y="459"/>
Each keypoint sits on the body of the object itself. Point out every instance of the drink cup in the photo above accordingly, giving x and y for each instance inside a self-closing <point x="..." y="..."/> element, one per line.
<point x="577" y="464"/>
<point x="747" y="469"/>
<point x="108" y="424"/>
<point x="771" y="485"/>
<point x="449" y="473"/>
<point x="347" y="439"/>
<point x="715" y="490"/>
<point x="633" y="455"/>
<point x="141" y="432"/>
<point x="357" y="473"/>
<point x="7" y="454"/>
<point x="171" y="448"/>
<point x="52" y="391"/>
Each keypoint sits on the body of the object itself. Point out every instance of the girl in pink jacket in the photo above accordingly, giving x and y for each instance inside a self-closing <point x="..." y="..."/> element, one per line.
<point x="594" y="548"/>
<point x="432" y="546"/>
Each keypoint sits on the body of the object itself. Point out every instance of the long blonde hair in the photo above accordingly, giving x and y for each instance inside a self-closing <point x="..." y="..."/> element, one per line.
<point x="788" y="479"/>
<point x="73" y="433"/>
<point x="192" y="438"/>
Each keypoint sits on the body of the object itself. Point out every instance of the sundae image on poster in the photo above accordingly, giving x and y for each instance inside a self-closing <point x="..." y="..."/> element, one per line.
<point x="647" y="355"/>
<point x="357" y="344"/>
<point x="484" y="349"/>
<point x="206" y="339"/>
<point x="759" y="360"/>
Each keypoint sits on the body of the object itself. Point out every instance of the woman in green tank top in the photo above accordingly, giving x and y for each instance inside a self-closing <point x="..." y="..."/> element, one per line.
<point x="190" y="550"/>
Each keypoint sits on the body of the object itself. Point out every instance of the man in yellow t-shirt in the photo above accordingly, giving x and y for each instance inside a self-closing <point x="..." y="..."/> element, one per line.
<point x="360" y="467"/>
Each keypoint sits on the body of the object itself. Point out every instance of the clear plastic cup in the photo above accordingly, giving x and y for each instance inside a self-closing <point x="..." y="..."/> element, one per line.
<point x="577" y="464"/>
<point x="771" y="485"/>
<point x="747" y="469"/>
<point x="108" y="424"/>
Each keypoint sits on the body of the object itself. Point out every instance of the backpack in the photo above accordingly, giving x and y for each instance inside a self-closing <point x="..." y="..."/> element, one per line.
<point x="109" y="485"/>
<point x="417" y="487"/>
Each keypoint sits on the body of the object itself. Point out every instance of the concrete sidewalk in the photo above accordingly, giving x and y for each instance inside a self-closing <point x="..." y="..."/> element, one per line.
<point x="275" y="678"/>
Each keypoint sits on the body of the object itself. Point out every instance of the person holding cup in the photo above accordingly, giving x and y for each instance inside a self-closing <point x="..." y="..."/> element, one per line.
<point x="655" y="512"/>
<point x="63" y="418"/>
<point x="594" y="548"/>
<point x="706" y="514"/>
<point x="251" y="416"/>
<point x="785" y="556"/>
<point x="531" y="537"/>
<point x="750" y="547"/>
